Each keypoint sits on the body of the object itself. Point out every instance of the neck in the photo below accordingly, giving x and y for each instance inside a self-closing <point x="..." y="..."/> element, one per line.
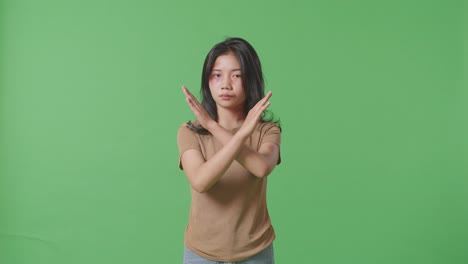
<point x="229" y="119"/>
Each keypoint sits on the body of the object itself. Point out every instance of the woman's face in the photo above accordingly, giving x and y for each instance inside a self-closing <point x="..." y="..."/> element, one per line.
<point x="226" y="83"/>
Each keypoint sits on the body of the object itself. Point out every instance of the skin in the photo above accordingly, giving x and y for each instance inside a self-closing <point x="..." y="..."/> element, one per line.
<point x="227" y="91"/>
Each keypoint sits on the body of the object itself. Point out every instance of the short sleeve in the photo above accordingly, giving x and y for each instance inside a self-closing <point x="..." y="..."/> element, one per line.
<point x="186" y="139"/>
<point x="271" y="133"/>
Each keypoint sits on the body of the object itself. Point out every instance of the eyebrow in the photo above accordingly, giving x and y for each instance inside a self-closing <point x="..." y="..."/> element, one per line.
<point x="231" y="70"/>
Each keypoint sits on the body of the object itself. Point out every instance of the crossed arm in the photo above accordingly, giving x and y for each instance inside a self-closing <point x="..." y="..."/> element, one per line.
<point x="202" y="174"/>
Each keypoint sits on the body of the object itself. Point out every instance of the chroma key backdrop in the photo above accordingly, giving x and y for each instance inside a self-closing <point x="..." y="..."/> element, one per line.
<point x="372" y="98"/>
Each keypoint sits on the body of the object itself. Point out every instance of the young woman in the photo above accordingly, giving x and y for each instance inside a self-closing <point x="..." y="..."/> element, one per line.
<point x="227" y="154"/>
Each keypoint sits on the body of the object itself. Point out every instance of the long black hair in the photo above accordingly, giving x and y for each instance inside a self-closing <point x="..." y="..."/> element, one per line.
<point x="252" y="78"/>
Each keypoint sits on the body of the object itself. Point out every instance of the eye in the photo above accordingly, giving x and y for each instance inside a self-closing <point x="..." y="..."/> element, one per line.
<point x="236" y="76"/>
<point x="216" y="75"/>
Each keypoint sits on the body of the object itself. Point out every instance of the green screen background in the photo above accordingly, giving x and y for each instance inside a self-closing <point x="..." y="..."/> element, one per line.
<point x="372" y="97"/>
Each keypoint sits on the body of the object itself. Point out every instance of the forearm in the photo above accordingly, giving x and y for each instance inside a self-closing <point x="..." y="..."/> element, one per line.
<point x="214" y="168"/>
<point x="250" y="159"/>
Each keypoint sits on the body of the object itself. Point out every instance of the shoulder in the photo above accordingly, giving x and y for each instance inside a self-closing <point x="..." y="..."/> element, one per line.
<point x="184" y="131"/>
<point x="269" y="132"/>
<point x="192" y="129"/>
<point x="183" y="127"/>
<point x="189" y="125"/>
<point x="268" y="127"/>
<point x="195" y="127"/>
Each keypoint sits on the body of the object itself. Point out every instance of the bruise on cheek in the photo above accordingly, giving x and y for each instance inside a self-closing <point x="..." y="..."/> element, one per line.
<point x="212" y="79"/>
<point x="211" y="83"/>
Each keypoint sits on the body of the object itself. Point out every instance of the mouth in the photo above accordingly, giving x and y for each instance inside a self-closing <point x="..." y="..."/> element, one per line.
<point x="226" y="96"/>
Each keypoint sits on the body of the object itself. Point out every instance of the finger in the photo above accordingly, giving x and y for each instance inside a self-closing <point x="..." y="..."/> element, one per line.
<point x="190" y="103"/>
<point x="264" y="99"/>
<point x="193" y="108"/>
<point x="262" y="109"/>
<point x="186" y="91"/>
<point x="265" y="106"/>
<point x="267" y="96"/>
<point x="195" y="102"/>
<point x="196" y="107"/>
<point x="190" y="95"/>
<point x="259" y="111"/>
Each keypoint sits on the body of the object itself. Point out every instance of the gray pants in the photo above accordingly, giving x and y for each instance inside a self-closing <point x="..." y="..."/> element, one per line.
<point x="266" y="256"/>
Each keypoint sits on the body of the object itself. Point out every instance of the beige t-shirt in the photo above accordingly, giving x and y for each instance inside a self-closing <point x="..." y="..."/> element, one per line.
<point x="229" y="222"/>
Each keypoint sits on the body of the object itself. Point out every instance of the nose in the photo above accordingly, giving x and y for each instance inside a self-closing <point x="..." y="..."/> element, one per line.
<point x="226" y="84"/>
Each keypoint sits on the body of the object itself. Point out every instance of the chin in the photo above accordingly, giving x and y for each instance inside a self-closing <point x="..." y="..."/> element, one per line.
<point x="230" y="105"/>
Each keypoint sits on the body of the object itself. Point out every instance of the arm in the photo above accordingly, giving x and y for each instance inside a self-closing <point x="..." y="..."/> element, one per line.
<point x="202" y="174"/>
<point x="259" y="163"/>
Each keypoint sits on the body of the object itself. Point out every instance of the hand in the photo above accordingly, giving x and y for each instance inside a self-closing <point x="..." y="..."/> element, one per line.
<point x="254" y="115"/>
<point x="198" y="110"/>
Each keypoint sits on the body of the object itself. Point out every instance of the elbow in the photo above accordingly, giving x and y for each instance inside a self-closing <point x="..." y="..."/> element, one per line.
<point x="199" y="187"/>
<point x="263" y="172"/>
<point x="201" y="181"/>
<point x="196" y="183"/>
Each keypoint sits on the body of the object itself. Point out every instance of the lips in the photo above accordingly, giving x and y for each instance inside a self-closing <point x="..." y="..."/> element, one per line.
<point x="226" y="96"/>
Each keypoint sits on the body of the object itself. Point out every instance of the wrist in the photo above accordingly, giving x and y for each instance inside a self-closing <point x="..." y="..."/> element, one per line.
<point x="244" y="133"/>
<point x="241" y="135"/>
<point x="212" y="125"/>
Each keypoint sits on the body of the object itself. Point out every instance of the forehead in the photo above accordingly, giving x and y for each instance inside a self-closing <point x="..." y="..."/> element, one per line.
<point x="227" y="61"/>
